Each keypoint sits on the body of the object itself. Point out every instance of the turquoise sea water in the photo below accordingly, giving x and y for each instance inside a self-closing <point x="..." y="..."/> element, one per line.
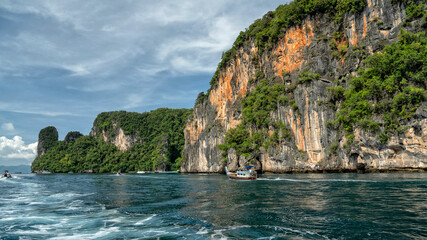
<point x="178" y="206"/>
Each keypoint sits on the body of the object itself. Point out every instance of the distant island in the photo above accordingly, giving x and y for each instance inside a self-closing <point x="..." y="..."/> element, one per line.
<point x="314" y="86"/>
<point x="119" y="141"/>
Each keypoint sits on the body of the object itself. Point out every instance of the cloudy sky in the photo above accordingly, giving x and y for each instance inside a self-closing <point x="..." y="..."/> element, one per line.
<point x="63" y="62"/>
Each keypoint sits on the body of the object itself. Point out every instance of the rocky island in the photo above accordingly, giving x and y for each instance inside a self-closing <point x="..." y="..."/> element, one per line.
<point x="318" y="86"/>
<point x="314" y="86"/>
<point x="119" y="141"/>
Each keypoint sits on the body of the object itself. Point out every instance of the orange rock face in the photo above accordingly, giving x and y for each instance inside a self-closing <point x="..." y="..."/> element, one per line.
<point x="233" y="84"/>
<point x="353" y="34"/>
<point x="192" y="131"/>
<point x="289" y="50"/>
<point x="365" y="26"/>
<point x="233" y="81"/>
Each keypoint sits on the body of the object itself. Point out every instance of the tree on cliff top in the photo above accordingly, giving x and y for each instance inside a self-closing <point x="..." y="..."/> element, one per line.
<point x="72" y="136"/>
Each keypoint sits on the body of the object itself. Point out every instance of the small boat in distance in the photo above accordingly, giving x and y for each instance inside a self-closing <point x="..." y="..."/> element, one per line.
<point x="6" y="174"/>
<point x="46" y="172"/>
<point x="249" y="174"/>
<point x="140" y="172"/>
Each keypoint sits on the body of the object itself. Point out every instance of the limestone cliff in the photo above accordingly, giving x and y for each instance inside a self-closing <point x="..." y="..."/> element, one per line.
<point x="48" y="136"/>
<point x="116" y="136"/>
<point x="333" y="51"/>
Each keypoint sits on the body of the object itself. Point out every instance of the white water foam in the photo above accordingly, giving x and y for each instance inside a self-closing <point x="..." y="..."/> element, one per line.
<point x="31" y="232"/>
<point x="202" y="231"/>
<point x="299" y="232"/>
<point x="218" y="234"/>
<point x="143" y="221"/>
<point x="103" y="232"/>
<point x="69" y="195"/>
<point x="21" y="217"/>
<point x="113" y="221"/>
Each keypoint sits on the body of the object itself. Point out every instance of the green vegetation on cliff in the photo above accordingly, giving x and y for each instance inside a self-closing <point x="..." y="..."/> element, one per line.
<point x="253" y="132"/>
<point x="82" y="154"/>
<point x="391" y="86"/>
<point x="152" y="128"/>
<point x="158" y="135"/>
<point x="265" y="32"/>
<point x="72" y="136"/>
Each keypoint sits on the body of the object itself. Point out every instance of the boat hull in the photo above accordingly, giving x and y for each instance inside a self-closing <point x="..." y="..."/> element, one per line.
<point x="235" y="176"/>
<point x="242" y="178"/>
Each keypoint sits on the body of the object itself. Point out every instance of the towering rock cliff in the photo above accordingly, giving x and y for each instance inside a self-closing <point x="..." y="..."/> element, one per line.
<point x="306" y="71"/>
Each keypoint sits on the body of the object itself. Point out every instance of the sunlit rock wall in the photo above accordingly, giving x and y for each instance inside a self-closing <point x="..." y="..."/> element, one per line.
<point x="305" y="48"/>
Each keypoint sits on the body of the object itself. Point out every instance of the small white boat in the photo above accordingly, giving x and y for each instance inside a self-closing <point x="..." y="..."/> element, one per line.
<point x="46" y="172"/>
<point x="140" y="172"/>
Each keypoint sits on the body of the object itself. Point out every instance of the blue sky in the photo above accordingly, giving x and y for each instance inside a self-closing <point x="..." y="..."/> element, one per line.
<point x="63" y="62"/>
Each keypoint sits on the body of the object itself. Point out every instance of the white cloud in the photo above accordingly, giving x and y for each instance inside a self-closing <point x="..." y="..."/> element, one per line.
<point x="44" y="113"/>
<point x="39" y="112"/>
<point x="76" y="58"/>
<point x="133" y="100"/>
<point x="8" y="127"/>
<point x="31" y="108"/>
<point x="77" y="70"/>
<point x="93" y="39"/>
<point x="108" y="28"/>
<point x="16" y="148"/>
<point x="186" y="65"/>
<point x="151" y="71"/>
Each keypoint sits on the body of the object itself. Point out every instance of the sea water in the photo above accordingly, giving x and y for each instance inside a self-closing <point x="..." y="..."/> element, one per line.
<point x="180" y="206"/>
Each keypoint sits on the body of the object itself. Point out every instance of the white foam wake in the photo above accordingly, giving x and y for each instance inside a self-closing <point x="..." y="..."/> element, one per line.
<point x="143" y="221"/>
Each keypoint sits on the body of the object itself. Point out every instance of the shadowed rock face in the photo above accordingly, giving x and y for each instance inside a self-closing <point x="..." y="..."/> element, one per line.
<point x="306" y="48"/>
<point x="48" y="136"/>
